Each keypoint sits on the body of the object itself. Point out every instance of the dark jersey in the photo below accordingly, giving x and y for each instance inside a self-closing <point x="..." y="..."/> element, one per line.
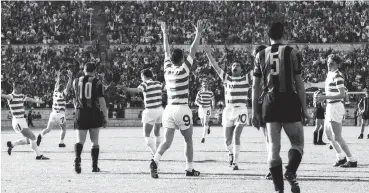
<point x="277" y="65"/>
<point x="87" y="91"/>
<point x="364" y="102"/>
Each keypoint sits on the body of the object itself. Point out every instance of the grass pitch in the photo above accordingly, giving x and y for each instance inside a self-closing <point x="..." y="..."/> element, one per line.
<point x="125" y="159"/>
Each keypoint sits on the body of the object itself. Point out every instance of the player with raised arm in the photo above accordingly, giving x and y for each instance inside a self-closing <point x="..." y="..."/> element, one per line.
<point x="280" y="68"/>
<point x="91" y="114"/>
<point x="177" y="114"/>
<point x="57" y="116"/>
<point x="152" y="115"/>
<point x="235" y="114"/>
<point x="205" y="101"/>
<point x="16" y="104"/>
<point x="363" y="107"/>
<point x="335" y="111"/>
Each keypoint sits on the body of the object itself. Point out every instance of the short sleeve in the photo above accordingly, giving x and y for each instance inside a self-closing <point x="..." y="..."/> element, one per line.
<point x="142" y="86"/>
<point x="296" y="61"/>
<point x="339" y="81"/>
<point x="257" y="69"/>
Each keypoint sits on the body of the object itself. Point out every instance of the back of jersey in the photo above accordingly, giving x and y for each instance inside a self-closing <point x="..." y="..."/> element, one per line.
<point x="88" y="90"/>
<point x="278" y="64"/>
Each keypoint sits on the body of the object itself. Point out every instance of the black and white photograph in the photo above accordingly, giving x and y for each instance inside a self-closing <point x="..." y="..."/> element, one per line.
<point x="184" y="96"/>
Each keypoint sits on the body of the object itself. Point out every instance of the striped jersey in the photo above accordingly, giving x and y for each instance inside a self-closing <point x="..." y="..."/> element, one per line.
<point x="235" y="89"/>
<point x="278" y="65"/>
<point x="152" y="91"/>
<point x="204" y="98"/>
<point x="59" y="101"/>
<point x="16" y="105"/>
<point x="365" y="102"/>
<point x="333" y="83"/>
<point x="177" y="79"/>
<point x="87" y="91"/>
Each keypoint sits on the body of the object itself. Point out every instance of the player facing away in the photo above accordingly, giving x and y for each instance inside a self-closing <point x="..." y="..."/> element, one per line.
<point x="363" y="107"/>
<point x="91" y="114"/>
<point x="319" y="121"/>
<point x="177" y="114"/>
<point x="235" y="112"/>
<point x="57" y="116"/>
<point x="260" y="106"/>
<point x="152" y="115"/>
<point x="335" y="111"/>
<point x="280" y="67"/>
<point x="16" y="104"/>
<point x="205" y="101"/>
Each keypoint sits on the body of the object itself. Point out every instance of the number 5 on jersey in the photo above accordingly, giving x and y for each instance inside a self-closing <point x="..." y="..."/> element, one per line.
<point x="274" y="63"/>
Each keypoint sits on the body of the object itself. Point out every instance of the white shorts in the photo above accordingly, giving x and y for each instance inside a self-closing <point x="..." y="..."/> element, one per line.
<point x="335" y="112"/>
<point x="19" y="124"/>
<point x="204" y="113"/>
<point x="152" y="116"/>
<point x="58" y="118"/>
<point x="234" y="116"/>
<point x="177" y="117"/>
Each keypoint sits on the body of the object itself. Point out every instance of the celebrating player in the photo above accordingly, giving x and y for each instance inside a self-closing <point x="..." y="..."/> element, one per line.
<point x="235" y="113"/>
<point x="363" y="107"/>
<point x="335" y="111"/>
<point x="152" y="115"/>
<point x="280" y="67"/>
<point x="177" y="114"/>
<point x="205" y="101"/>
<point x="57" y="116"/>
<point x="91" y="114"/>
<point x="16" y="104"/>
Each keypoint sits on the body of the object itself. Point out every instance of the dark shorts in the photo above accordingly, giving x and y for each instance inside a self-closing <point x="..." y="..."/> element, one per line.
<point x="88" y="118"/>
<point x="365" y="115"/>
<point x="320" y="114"/>
<point x="281" y="108"/>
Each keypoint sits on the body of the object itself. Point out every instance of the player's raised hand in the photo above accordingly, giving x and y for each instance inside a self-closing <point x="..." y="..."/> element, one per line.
<point x="70" y="74"/>
<point x="163" y="26"/>
<point x="200" y="25"/>
<point x="40" y="101"/>
<point x="207" y="49"/>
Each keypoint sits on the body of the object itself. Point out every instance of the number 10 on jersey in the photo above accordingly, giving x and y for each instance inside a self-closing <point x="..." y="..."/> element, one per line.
<point x="87" y="91"/>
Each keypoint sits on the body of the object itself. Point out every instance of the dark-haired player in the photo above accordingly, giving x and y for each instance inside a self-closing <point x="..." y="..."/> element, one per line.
<point x="235" y="114"/>
<point x="177" y="113"/>
<point x="319" y="118"/>
<point x="280" y="68"/>
<point x="335" y="111"/>
<point x="205" y="101"/>
<point x="152" y="115"/>
<point x="16" y="104"/>
<point x="57" y="116"/>
<point x="363" y="108"/>
<point x="91" y="114"/>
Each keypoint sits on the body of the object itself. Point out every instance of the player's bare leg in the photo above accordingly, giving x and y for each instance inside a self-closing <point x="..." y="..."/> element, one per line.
<point x="295" y="133"/>
<point x="340" y="156"/>
<point x="228" y="137"/>
<point x="78" y="147"/>
<point x="45" y="131"/>
<point x="364" y="123"/>
<point x="63" y="131"/>
<point x="157" y="134"/>
<point x="30" y="138"/>
<point x="95" y="148"/>
<point x="187" y="134"/>
<point x="318" y="133"/>
<point x="164" y="146"/>
<point x="149" y="140"/>
<point x="237" y="145"/>
<point x="265" y="132"/>
<point x="274" y="158"/>
<point x="206" y="128"/>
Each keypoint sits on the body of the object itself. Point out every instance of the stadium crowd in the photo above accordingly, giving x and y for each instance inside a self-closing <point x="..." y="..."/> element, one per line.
<point x="136" y="22"/>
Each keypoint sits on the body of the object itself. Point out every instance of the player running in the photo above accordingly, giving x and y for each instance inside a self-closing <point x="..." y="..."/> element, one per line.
<point x="235" y="113"/>
<point x="152" y="115"/>
<point x="91" y="114"/>
<point x="57" y="116"/>
<point x="363" y="107"/>
<point x="280" y="67"/>
<point x="177" y="114"/>
<point x="16" y="104"/>
<point x="319" y="120"/>
<point x="335" y="111"/>
<point x="205" y="101"/>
